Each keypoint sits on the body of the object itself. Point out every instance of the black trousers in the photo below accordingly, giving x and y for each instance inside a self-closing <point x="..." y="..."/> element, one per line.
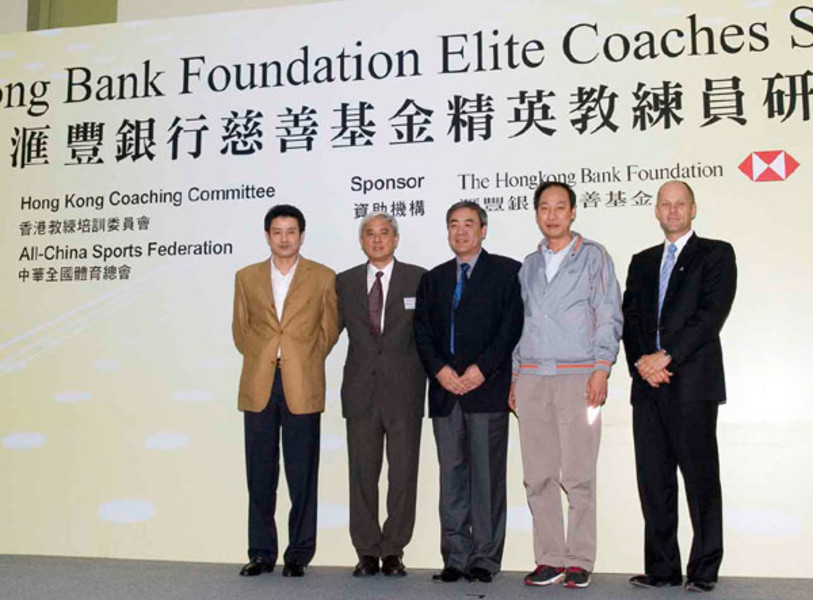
<point x="300" y="450"/>
<point x="366" y="436"/>
<point x="670" y="435"/>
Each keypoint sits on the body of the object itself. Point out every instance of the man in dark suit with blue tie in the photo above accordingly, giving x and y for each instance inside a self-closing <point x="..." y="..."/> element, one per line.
<point x="468" y="318"/>
<point x="383" y="392"/>
<point x="678" y="296"/>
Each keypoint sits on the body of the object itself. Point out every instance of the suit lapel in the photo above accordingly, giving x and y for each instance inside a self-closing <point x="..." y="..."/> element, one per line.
<point x="477" y="274"/>
<point x="358" y="289"/>
<point x="268" y="287"/>
<point x="448" y="282"/>
<point x="652" y="275"/>
<point x="395" y="294"/>
<point x="301" y="276"/>
<point x="395" y="290"/>
<point x="683" y="260"/>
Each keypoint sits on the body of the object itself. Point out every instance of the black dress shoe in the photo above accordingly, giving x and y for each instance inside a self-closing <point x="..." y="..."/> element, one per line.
<point x="293" y="569"/>
<point x="367" y="565"/>
<point x="650" y="581"/>
<point x="699" y="585"/>
<point x="449" y="575"/>
<point x="256" y="566"/>
<point x="480" y="574"/>
<point x="393" y="566"/>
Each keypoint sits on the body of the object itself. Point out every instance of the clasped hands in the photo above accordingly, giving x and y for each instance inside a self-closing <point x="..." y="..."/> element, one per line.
<point x="471" y="379"/>
<point x="652" y="368"/>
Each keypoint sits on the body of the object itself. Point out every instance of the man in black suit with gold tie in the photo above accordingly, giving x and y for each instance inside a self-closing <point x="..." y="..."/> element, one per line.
<point x="468" y="319"/>
<point x="678" y="296"/>
<point x="383" y="392"/>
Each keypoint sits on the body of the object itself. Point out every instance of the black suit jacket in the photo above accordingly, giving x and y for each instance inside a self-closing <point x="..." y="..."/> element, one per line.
<point x="488" y="323"/>
<point x="699" y="297"/>
<point x="383" y="369"/>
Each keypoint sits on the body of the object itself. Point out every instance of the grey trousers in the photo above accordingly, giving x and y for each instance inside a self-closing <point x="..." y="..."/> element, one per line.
<point x="472" y="452"/>
<point x="366" y="436"/>
<point x="559" y="453"/>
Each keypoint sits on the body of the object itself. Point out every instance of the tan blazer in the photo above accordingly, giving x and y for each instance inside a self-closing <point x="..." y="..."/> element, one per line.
<point x="308" y="330"/>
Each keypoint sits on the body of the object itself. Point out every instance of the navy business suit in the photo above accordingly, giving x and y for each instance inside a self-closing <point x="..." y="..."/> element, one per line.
<point x="471" y="430"/>
<point x="674" y="425"/>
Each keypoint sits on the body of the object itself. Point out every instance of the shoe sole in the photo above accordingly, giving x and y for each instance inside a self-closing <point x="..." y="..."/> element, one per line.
<point x="654" y="587"/>
<point x="574" y="585"/>
<point x="260" y="572"/>
<point x="551" y="581"/>
<point x="699" y="590"/>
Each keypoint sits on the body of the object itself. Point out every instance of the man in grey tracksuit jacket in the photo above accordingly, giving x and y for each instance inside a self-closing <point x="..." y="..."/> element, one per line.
<point x="569" y="342"/>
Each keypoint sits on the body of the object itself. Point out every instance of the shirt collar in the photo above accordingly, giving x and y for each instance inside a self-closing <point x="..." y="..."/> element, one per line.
<point x="471" y="262"/>
<point x="276" y="271"/>
<point x="680" y="242"/>
<point x="371" y="270"/>
<point x="574" y="243"/>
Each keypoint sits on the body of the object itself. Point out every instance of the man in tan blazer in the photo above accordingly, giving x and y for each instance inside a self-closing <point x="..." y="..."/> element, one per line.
<point x="285" y="323"/>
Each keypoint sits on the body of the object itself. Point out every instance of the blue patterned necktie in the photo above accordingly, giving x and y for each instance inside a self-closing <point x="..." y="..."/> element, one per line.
<point x="458" y="293"/>
<point x="666" y="273"/>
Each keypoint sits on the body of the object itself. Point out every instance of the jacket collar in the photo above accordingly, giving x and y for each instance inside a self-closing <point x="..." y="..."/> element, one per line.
<point x="574" y="246"/>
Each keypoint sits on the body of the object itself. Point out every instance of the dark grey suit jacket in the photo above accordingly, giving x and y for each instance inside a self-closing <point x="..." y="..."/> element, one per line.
<point x="382" y="369"/>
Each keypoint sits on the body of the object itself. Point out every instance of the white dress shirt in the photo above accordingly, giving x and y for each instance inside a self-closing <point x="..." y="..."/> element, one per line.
<point x="280" y="284"/>
<point x="385" y="284"/>
<point x="679" y="243"/>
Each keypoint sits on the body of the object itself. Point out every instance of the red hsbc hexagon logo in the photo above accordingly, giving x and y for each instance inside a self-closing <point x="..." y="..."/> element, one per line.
<point x="769" y="165"/>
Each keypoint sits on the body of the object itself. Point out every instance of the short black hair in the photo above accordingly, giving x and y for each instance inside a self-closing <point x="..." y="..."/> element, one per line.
<point x="284" y="210"/>
<point x="481" y="213"/>
<point x="549" y="184"/>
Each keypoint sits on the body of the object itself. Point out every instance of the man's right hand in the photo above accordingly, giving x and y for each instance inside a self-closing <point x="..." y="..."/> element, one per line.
<point x="450" y="381"/>
<point x="512" y="398"/>
<point x="651" y="364"/>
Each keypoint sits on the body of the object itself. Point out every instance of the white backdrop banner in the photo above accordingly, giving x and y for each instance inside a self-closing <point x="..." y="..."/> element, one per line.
<point x="138" y="161"/>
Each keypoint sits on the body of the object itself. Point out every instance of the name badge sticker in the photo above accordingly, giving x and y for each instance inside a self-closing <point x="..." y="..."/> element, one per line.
<point x="409" y="303"/>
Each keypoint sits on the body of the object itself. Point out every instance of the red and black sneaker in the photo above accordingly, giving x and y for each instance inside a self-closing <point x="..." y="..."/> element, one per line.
<point x="545" y="575"/>
<point x="576" y="577"/>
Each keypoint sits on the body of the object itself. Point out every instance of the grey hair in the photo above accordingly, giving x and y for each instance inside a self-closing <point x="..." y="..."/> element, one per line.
<point x="374" y="215"/>
<point x="482" y="215"/>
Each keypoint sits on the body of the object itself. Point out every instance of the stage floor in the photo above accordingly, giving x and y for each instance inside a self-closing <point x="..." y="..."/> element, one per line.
<point x="54" y="578"/>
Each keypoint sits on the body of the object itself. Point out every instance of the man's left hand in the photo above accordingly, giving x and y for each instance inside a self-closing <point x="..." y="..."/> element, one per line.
<point x="472" y="378"/>
<point x="597" y="388"/>
<point x="649" y="364"/>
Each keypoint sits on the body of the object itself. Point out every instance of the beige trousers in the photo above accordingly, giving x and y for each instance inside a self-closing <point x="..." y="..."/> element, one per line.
<point x="559" y="453"/>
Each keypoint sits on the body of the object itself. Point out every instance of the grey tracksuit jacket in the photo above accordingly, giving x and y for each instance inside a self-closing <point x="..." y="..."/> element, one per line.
<point x="572" y="324"/>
